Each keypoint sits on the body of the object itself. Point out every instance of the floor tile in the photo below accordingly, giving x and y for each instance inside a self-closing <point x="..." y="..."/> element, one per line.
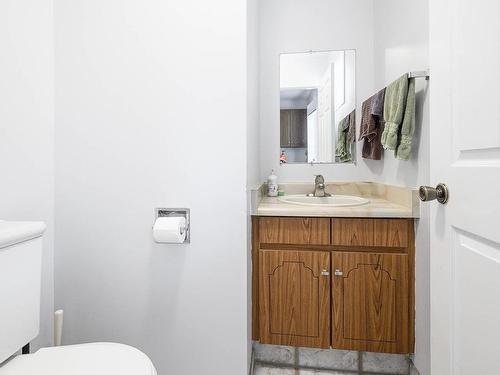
<point x="321" y="372"/>
<point x="262" y="370"/>
<point x="274" y="354"/>
<point x="265" y="370"/>
<point x="386" y="363"/>
<point x="327" y="358"/>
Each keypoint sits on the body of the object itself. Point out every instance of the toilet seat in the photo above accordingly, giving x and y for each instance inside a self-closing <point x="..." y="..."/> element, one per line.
<point x="84" y="359"/>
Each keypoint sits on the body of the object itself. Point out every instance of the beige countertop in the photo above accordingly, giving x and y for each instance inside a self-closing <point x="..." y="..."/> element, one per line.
<point x="384" y="201"/>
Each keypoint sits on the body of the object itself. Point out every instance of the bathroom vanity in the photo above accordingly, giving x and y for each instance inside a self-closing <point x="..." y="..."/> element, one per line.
<point x="340" y="277"/>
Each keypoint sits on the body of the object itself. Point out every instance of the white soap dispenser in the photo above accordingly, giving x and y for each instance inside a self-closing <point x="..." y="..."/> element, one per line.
<point x="272" y="185"/>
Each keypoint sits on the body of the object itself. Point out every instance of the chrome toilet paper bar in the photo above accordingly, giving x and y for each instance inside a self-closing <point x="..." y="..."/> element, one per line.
<point x="176" y="212"/>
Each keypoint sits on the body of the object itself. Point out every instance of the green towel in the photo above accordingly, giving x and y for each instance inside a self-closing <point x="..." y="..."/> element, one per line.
<point x="346" y="135"/>
<point x="394" y="109"/>
<point x="340" y="148"/>
<point x="403" y="150"/>
<point x="342" y="151"/>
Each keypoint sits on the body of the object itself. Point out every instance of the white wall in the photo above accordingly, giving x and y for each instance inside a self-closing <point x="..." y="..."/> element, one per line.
<point x="138" y="126"/>
<point x="295" y="155"/>
<point x="302" y="70"/>
<point x="296" y="26"/>
<point x="253" y="140"/>
<point x="396" y="53"/>
<point x="27" y="129"/>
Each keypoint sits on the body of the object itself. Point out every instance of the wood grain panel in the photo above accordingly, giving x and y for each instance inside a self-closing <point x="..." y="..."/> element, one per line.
<point x="391" y="232"/>
<point x="294" y="298"/>
<point x="371" y="302"/>
<point x="411" y="285"/>
<point x="255" y="278"/>
<point x="370" y="232"/>
<point x="352" y="232"/>
<point x="294" y="230"/>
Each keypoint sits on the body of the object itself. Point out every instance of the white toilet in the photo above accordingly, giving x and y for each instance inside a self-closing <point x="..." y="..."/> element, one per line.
<point x="20" y="282"/>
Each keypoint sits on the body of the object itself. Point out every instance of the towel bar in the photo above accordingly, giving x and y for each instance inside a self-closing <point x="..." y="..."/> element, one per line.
<point x="419" y="74"/>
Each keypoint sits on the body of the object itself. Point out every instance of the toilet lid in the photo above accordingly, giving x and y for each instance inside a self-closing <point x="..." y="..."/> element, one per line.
<point x="84" y="359"/>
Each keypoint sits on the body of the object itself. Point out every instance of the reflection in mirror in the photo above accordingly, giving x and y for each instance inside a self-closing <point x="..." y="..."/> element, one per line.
<point x="317" y="94"/>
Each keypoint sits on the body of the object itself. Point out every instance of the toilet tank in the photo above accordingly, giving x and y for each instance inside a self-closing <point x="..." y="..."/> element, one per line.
<point x="20" y="284"/>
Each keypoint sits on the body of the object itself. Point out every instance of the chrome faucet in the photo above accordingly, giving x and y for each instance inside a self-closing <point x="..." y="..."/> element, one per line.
<point x="319" y="187"/>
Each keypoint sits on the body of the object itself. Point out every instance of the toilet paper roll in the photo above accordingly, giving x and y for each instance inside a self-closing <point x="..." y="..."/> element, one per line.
<point x="170" y="229"/>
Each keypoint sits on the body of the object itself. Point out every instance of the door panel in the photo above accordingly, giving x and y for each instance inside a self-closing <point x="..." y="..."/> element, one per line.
<point x="298" y="129"/>
<point x="325" y="116"/>
<point x="465" y="154"/>
<point x="370" y="302"/>
<point x="294" y="298"/>
<point x="475" y="95"/>
<point x="285" y="119"/>
<point x="476" y="268"/>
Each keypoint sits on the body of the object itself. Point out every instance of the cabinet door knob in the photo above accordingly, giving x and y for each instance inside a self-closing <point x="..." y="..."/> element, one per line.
<point x="325" y="272"/>
<point x="338" y="272"/>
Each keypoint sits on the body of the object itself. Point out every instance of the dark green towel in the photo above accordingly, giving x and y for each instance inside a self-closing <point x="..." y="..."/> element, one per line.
<point x="394" y="110"/>
<point x="340" y="149"/>
<point x="346" y="135"/>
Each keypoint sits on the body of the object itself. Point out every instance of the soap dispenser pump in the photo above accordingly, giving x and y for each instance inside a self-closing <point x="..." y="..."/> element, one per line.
<point x="272" y="185"/>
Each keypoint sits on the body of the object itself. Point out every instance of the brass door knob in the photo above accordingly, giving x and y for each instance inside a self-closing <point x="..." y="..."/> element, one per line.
<point x="428" y="193"/>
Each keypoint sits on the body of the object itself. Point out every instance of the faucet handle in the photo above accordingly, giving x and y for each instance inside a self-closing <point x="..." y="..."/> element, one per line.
<point x="319" y="179"/>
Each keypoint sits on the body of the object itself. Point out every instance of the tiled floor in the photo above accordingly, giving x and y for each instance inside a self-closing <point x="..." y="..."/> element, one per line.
<point x="280" y="360"/>
<point x="261" y="370"/>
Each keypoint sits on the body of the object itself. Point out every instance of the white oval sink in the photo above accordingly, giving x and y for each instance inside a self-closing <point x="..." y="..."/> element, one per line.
<point x="333" y="201"/>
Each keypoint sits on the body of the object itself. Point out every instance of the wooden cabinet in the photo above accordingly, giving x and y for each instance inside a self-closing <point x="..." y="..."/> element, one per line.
<point x="295" y="298"/>
<point x="370" y="309"/>
<point x="293" y="128"/>
<point x="344" y="282"/>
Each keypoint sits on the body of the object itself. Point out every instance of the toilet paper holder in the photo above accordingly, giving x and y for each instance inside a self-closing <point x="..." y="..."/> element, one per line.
<point x="176" y="212"/>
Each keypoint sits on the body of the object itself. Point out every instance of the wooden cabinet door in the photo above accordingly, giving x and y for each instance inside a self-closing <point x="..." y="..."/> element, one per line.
<point x="298" y="128"/>
<point x="285" y="119"/>
<point x="370" y="302"/>
<point x="294" y="298"/>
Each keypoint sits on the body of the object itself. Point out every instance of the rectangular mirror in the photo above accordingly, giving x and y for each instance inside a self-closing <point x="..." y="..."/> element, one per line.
<point x="317" y="107"/>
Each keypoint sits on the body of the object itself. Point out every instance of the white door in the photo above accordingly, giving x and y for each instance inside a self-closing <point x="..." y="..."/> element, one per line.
<point x="325" y="117"/>
<point x="465" y="154"/>
<point x="312" y="137"/>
